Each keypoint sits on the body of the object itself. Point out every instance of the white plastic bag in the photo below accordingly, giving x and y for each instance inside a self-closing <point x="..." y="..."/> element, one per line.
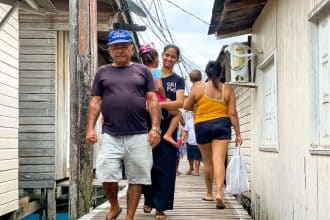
<point x="236" y="175"/>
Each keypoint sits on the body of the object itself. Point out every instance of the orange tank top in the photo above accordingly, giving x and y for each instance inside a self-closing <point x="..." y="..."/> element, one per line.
<point x="209" y="108"/>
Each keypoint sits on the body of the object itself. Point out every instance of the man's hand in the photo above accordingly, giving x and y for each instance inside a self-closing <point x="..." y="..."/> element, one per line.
<point x="91" y="137"/>
<point x="153" y="138"/>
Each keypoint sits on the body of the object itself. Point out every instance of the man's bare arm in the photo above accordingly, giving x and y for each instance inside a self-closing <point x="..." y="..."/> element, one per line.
<point x="153" y="109"/>
<point x="94" y="110"/>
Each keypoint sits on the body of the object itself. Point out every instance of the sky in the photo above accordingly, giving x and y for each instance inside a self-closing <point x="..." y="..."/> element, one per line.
<point x="190" y="34"/>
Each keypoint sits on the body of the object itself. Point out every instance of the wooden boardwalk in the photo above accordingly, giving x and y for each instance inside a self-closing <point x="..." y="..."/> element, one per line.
<point x="187" y="205"/>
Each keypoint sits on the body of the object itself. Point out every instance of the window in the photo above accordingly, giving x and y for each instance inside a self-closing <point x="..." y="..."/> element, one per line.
<point x="268" y="104"/>
<point x="320" y="69"/>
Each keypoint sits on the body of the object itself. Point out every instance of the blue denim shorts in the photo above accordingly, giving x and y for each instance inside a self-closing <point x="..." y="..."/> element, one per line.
<point x="219" y="129"/>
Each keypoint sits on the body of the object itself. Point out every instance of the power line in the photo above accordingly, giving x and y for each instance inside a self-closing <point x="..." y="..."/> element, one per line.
<point x="187" y="12"/>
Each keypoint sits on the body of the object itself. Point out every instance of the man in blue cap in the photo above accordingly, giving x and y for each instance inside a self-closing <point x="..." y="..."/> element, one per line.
<point x="120" y="91"/>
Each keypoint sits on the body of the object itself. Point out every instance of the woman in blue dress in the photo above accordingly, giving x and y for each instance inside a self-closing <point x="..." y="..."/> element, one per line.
<point x="160" y="195"/>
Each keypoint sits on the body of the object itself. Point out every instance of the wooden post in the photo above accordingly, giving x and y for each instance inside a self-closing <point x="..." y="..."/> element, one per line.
<point x="82" y="51"/>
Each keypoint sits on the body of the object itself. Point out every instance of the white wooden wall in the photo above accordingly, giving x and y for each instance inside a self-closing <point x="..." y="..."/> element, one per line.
<point x="291" y="183"/>
<point x="8" y="113"/>
<point x="243" y="104"/>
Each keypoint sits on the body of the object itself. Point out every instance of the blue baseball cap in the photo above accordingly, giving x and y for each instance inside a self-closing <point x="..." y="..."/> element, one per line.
<point x="119" y="36"/>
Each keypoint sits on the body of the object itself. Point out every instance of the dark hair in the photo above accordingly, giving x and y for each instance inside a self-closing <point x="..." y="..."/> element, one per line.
<point x="213" y="72"/>
<point x="169" y="46"/>
<point x="149" y="57"/>
<point x="195" y="76"/>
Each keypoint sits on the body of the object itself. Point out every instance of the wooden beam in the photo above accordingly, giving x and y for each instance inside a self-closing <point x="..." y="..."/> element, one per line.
<point x="26" y="207"/>
<point x="243" y="4"/>
<point x="82" y="49"/>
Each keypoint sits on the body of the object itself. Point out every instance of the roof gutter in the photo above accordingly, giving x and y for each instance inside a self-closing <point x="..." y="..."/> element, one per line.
<point x="13" y="9"/>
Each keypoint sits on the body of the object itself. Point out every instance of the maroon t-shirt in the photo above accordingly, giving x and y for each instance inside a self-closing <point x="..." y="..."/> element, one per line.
<point x="123" y="91"/>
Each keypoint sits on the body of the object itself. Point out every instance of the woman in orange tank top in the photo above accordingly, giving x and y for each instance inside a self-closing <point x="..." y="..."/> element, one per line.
<point x="215" y="104"/>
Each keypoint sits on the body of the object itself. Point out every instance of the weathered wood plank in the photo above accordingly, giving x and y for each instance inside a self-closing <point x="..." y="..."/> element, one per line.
<point x="37" y="105"/>
<point x="37" y="89"/>
<point x="37" y="66"/>
<point x="37" y="128"/>
<point x="36" y="97"/>
<point x="37" y="168"/>
<point x="36" y="184"/>
<point x="36" y="136"/>
<point x="37" y="152"/>
<point x="48" y="58"/>
<point x="31" y="112"/>
<point x="36" y="144"/>
<point x="36" y="120"/>
<point x="35" y="176"/>
<point x="36" y="160"/>
<point x="37" y="34"/>
<point x="24" y="50"/>
<point x="37" y="42"/>
<point x="44" y="26"/>
<point x="39" y="74"/>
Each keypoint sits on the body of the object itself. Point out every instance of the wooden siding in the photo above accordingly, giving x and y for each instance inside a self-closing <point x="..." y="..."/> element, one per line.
<point x="243" y="104"/>
<point x="8" y="113"/>
<point x="37" y="104"/>
<point x="291" y="183"/>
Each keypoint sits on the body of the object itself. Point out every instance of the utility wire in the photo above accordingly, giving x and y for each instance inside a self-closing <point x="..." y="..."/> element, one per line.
<point x="187" y="12"/>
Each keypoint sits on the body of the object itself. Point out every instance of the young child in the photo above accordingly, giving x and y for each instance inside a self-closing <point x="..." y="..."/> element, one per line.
<point x="150" y="58"/>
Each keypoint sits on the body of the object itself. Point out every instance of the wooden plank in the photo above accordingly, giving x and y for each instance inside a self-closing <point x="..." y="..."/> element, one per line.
<point x="8" y="143"/>
<point x="8" y="48"/>
<point x="7" y="122"/>
<point x="37" y="105"/>
<point x="36" y="120"/>
<point x="8" y="176"/>
<point x="10" y="185"/>
<point x="37" y="42"/>
<point x="44" y="26"/>
<point x="9" y="59"/>
<point x="6" y="37"/>
<point x="37" y="128"/>
<point x="36" y="97"/>
<point x="36" y="144"/>
<point x="7" y="154"/>
<point x="33" y="112"/>
<point x="36" y="136"/>
<point x="37" y="66"/>
<point x="37" y="168"/>
<point x="36" y="160"/>
<point x="9" y="71"/>
<point x="8" y="90"/>
<point x="8" y="111"/>
<point x="37" y="58"/>
<point x="40" y="74"/>
<point x="8" y="132"/>
<point x="36" y="184"/>
<point x="35" y="176"/>
<point x="51" y="204"/>
<point x="37" y="89"/>
<point x="8" y="164"/>
<point x="37" y="152"/>
<point x="37" y="34"/>
<point x="25" y="50"/>
<point x="9" y="101"/>
<point x="9" y="207"/>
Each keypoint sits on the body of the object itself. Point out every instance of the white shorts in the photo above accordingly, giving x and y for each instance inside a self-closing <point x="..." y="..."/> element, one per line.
<point x="133" y="151"/>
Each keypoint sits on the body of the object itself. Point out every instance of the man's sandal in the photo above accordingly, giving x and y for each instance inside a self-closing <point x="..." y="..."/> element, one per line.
<point x="147" y="209"/>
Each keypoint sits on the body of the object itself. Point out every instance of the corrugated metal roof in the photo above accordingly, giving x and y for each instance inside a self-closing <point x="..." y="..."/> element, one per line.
<point x="48" y="5"/>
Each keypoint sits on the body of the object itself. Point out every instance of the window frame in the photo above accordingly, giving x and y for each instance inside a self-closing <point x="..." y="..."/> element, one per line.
<point x="271" y="58"/>
<point x="319" y="11"/>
